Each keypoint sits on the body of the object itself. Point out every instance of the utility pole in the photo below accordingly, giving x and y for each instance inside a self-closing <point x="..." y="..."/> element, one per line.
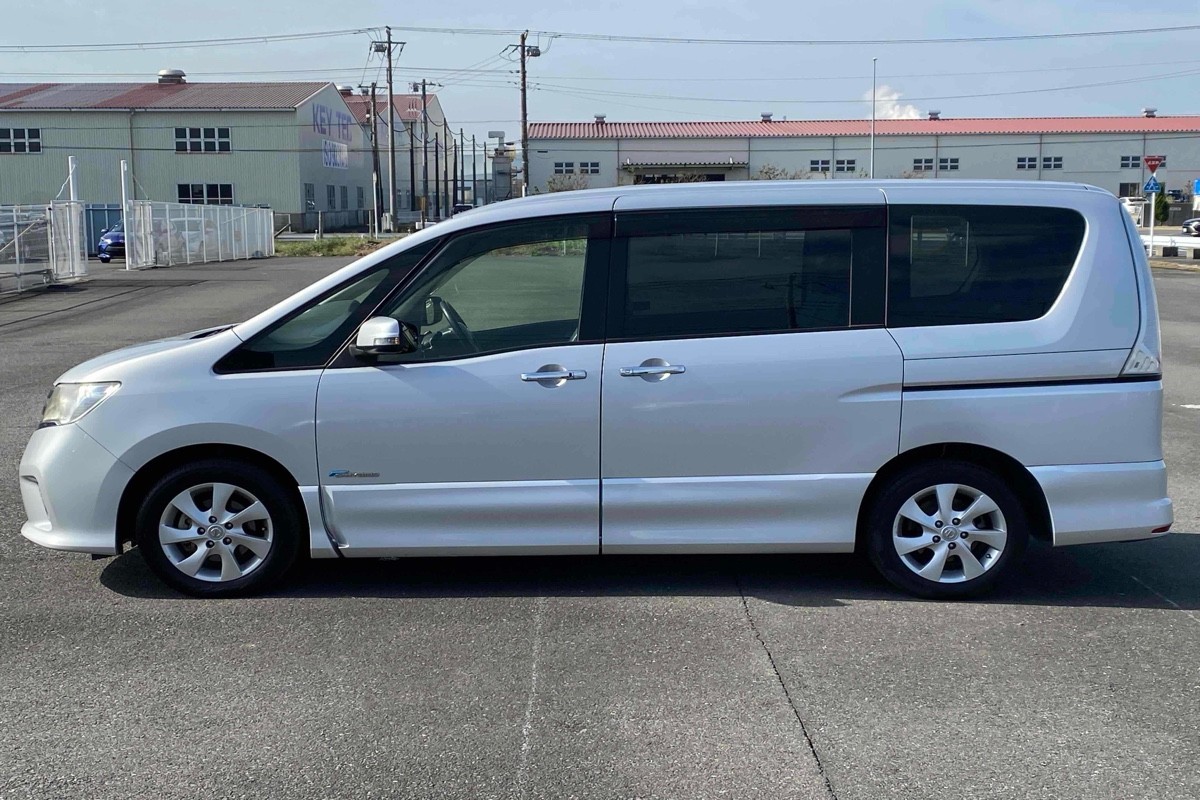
<point x="424" y="149"/>
<point x="874" y="63"/>
<point x="376" y="187"/>
<point x="387" y="46"/>
<point x="474" y="175"/>
<point x="412" y="166"/>
<point x="437" y="182"/>
<point x="462" y="166"/>
<point x="524" y="120"/>
<point x="447" y="142"/>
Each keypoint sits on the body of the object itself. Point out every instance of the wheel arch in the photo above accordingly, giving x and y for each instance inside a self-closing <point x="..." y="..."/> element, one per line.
<point x="145" y="477"/>
<point x="1021" y="479"/>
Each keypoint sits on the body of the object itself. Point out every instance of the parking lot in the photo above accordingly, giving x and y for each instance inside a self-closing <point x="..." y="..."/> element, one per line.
<point x="664" y="677"/>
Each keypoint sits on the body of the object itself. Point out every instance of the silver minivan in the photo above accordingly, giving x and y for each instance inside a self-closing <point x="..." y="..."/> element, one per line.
<point x="931" y="372"/>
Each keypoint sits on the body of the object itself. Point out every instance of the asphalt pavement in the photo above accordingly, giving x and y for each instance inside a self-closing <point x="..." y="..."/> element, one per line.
<point x="673" y="678"/>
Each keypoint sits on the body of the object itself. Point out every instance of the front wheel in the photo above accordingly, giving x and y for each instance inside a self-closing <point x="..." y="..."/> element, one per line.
<point x="946" y="529"/>
<point x="219" y="528"/>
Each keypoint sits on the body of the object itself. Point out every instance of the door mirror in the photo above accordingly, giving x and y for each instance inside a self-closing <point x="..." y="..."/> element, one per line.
<point x="433" y="312"/>
<point x="103" y="231"/>
<point x="380" y="336"/>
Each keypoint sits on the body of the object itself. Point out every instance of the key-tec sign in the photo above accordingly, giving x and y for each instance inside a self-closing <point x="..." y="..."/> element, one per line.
<point x="1153" y="162"/>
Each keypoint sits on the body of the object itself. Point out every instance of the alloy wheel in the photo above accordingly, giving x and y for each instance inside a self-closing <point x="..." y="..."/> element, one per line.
<point x="949" y="533"/>
<point x="216" y="532"/>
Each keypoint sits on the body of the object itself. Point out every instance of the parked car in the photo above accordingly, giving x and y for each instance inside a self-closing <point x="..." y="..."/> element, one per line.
<point x="901" y="368"/>
<point x="112" y="243"/>
<point x="1191" y="227"/>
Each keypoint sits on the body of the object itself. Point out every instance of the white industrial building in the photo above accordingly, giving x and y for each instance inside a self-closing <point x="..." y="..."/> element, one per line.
<point x="1103" y="151"/>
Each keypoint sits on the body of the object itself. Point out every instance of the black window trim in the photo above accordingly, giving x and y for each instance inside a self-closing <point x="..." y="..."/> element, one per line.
<point x="435" y="248"/>
<point x="866" y="280"/>
<point x="592" y="310"/>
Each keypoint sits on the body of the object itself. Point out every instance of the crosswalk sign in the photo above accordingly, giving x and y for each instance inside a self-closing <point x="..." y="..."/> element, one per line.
<point x="1152" y="186"/>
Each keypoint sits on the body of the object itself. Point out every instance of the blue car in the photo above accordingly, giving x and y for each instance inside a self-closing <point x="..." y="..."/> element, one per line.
<point x="112" y="243"/>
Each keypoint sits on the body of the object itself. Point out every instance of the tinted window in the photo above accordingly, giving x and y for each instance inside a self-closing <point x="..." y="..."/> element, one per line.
<point x="310" y="337"/>
<point x="955" y="265"/>
<point x="776" y="274"/>
<point x="503" y="288"/>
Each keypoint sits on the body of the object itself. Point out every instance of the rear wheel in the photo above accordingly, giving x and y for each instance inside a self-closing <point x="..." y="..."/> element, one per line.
<point x="219" y="528"/>
<point x="946" y="529"/>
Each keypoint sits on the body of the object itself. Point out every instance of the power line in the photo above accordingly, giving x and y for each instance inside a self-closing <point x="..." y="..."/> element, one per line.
<point x="88" y="47"/>
<point x="807" y="42"/>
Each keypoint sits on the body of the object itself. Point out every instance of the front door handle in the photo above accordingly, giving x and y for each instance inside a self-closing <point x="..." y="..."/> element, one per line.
<point x="653" y="369"/>
<point x="554" y="375"/>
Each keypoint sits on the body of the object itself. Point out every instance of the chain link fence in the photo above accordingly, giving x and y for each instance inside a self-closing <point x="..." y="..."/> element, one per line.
<point x="169" y="234"/>
<point x="40" y="245"/>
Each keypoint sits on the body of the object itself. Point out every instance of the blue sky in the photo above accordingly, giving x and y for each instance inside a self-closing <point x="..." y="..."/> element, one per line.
<point x="575" y="79"/>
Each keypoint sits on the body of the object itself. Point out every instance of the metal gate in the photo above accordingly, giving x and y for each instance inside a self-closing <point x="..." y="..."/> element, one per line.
<point x="40" y="245"/>
<point x="168" y="234"/>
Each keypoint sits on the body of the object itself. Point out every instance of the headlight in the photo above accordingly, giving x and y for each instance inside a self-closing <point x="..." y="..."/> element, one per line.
<point x="70" y="401"/>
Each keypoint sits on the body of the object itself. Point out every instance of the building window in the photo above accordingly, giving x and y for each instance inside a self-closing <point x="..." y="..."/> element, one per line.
<point x="331" y="197"/>
<point x="1052" y="162"/>
<point x="210" y="194"/>
<point x="202" y="140"/>
<point x="361" y="198"/>
<point x="1131" y="162"/>
<point x="310" y="197"/>
<point x="844" y="165"/>
<point x="922" y="165"/>
<point x="589" y="168"/>
<point x="818" y="165"/>
<point x="20" y="140"/>
<point x="1026" y="162"/>
<point x="564" y="167"/>
<point x="1133" y="189"/>
<point x="345" y="197"/>
<point x="948" y="163"/>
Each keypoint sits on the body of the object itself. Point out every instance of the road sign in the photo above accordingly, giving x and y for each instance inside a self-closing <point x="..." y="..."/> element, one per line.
<point x="1153" y="162"/>
<point x="1152" y="186"/>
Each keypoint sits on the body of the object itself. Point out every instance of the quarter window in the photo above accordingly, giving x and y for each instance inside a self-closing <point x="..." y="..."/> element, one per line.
<point x="723" y="274"/>
<point x="1131" y="162"/>
<point x="20" y="140"/>
<point x="1027" y="162"/>
<point x="202" y="140"/>
<point x="959" y="265"/>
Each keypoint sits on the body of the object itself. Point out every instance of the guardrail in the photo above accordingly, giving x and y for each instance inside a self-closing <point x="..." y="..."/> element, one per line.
<point x="1172" y="246"/>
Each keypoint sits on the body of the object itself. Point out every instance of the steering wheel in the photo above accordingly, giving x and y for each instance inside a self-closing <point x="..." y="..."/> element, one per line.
<point x="456" y="324"/>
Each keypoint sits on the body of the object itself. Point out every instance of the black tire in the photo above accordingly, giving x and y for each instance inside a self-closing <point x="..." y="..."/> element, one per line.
<point x="104" y="259"/>
<point x="287" y="524"/>
<point x="883" y="513"/>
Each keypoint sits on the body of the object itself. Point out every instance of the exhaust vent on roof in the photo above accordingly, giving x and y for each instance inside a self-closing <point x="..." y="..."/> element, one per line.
<point x="172" y="76"/>
<point x="345" y="90"/>
<point x="766" y="116"/>
<point x="600" y="119"/>
<point x="1149" y="112"/>
<point x="934" y="114"/>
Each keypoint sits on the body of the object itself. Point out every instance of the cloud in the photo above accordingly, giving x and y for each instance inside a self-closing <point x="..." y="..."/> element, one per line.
<point x="888" y="105"/>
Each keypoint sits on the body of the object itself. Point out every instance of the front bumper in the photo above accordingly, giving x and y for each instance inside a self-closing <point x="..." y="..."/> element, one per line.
<point x="1091" y="503"/>
<point x="71" y="487"/>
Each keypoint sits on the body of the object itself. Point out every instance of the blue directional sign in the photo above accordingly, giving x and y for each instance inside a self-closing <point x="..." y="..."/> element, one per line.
<point x="1152" y="186"/>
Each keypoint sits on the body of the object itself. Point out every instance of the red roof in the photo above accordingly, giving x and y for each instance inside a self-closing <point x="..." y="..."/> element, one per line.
<point x="408" y="106"/>
<point x="860" y="127"/>
<point x="90" y="96"/>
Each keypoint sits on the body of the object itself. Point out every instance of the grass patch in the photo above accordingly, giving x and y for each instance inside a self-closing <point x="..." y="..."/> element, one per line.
<point x="333" y="246"/>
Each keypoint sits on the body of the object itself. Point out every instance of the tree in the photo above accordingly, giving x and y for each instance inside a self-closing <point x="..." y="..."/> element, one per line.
<point x="1162" y="208"/>
<point x="770" y="172"/>
<point x="566" y="183"/>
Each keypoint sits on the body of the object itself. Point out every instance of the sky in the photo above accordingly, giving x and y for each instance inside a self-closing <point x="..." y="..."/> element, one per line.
<point x="574" y="79"/>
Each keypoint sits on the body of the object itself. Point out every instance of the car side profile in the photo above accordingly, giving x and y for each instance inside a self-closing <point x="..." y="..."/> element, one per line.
<point x="929" y="372"/>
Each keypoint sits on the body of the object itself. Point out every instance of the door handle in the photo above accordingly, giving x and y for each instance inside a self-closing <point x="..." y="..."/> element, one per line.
<point x="653" y="370"/>
<point x="554" y="375"/>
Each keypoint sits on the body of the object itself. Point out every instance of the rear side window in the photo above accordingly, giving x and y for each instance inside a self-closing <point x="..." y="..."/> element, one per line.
<point x="962" y="265"/>
<point x="690" y="274"/>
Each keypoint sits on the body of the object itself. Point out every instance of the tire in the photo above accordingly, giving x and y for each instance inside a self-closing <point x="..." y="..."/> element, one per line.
<point x="254" y="540"/>
<point x="967" y="558"/>
<point x="104" y="259"/>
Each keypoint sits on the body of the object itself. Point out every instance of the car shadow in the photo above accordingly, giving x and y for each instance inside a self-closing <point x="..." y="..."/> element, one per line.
<point x="1153" y="574"/>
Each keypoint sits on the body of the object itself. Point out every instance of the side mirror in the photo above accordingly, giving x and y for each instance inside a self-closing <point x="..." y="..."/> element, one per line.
<point x="433" y="312"/>
<point x="103" y="231"/>
<point x="380" y="336"/>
